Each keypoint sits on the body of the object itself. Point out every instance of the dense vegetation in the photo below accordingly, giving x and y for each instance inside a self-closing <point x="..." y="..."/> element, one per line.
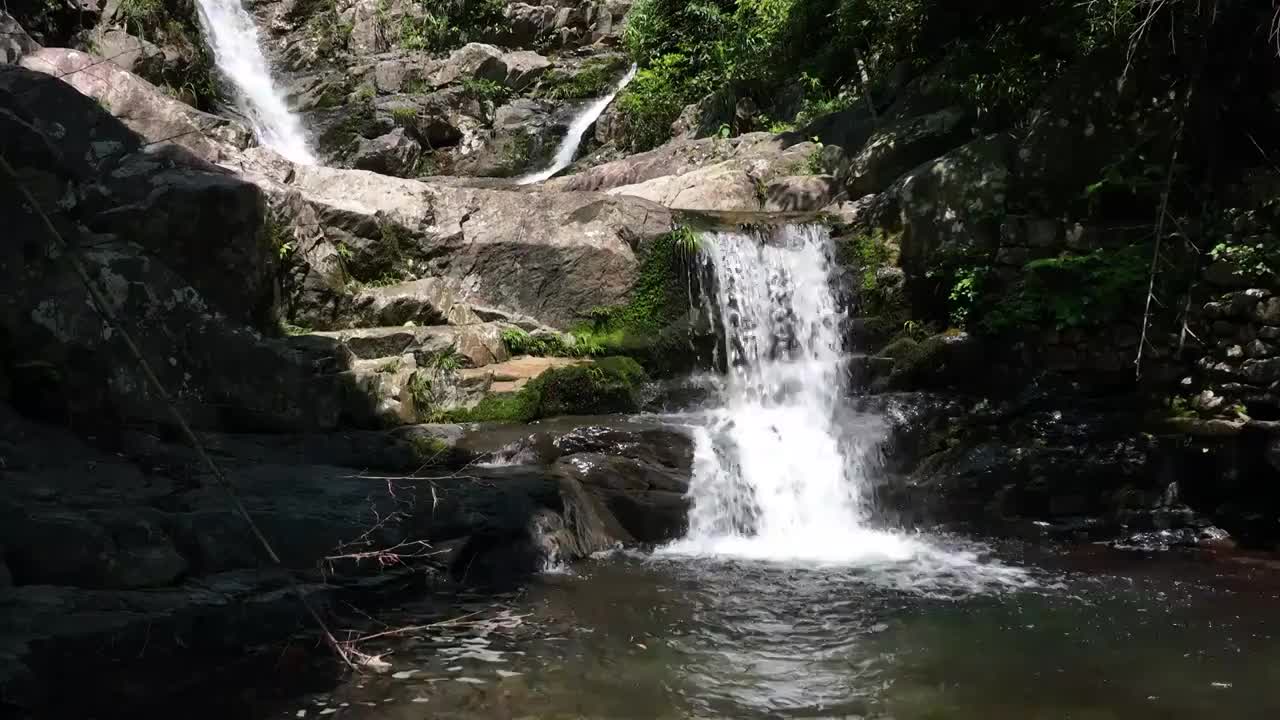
<point x="1165" y="193"/>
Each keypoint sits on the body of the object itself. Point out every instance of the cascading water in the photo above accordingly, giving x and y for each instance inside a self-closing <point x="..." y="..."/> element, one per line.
<point x="568" y="148"/>
<point x="233" y="37"/>
<point x="781" y="466"/>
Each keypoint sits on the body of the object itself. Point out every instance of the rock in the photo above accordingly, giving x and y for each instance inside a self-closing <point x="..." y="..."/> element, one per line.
<point x="898" y="147"/>
<point x="524" y="67"/>
<point x="1273" y="454"/>
<point x="392" y="154"/>
<point x="526" y="134"/>
<point x="800" y="193"/>
<point x="1257" y="349"/>
<point x="544" y="255"/>
<point x="768" y="178"/>
<point x="676" y="158"/>
<point x="529" y="22"/>
<point x="14" y="41"/>
<point x="516" y="70"/>
<point x="202" y="221"/>
<point x="387" y="342"/>
<point x="648" y="499"/>
<point x="949" y="205"/>
<point x="1225" y="274"/>
<point x="1261" y="372"/>
<point x="946" y="360"/>
<point x="1268" y="311"/>
<point x="1080" y="124"/>
<point x="705" y="117"/>
<point x="141" y="106"/>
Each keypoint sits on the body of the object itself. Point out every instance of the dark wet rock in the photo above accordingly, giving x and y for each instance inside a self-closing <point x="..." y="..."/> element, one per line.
<point x="649" y="500"/>
<point x="1080" y="469"/>
<point x="946" y="360"/>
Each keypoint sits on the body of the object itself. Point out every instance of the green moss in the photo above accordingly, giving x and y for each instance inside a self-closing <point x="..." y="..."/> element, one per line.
<point x="429" y="450"/>
<point x="607" y="385"/>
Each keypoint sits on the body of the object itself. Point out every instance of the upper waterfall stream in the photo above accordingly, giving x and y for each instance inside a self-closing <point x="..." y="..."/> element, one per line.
<point x="233" y="37"/>
<point x="568" y="148"/>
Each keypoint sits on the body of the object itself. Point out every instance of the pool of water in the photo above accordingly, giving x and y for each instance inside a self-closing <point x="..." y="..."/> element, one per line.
<point x="1093" y="634"/>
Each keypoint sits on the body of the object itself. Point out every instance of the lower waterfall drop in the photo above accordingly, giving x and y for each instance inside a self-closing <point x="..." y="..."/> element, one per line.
<point x="780" y="465"/>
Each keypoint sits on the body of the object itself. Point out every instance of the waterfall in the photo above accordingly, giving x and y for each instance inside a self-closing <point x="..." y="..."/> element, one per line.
<point x="234" y="39"/>
<point x="568" y="148"/>
<point x="780" y="466"/>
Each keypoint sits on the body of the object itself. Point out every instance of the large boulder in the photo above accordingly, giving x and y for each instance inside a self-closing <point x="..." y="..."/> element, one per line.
<point x="897" y="147"/>
<point x="551" y="256"/>
<point x="950" y="206"/>
<point x="141" y="106"/>
<point x="88" y="173"/>
<point x="515" y="70"/>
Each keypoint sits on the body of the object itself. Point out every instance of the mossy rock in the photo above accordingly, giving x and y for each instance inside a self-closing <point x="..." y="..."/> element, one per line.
<point x="604" y="386"/>
<point x="899" y="349"/>
<point x="948" y="359"/>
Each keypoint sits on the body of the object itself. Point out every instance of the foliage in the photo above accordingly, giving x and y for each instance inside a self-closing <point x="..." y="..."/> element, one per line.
<point x="486" y="90"/>
<point x="430" y="31"/>
<point x="998" y="56"/>
<point x="653" y="101"/>
<point x="593" y="80"/>
<point x="966" y="290"/>
<point x="404" y="114"/>
<point x="435" y="26"/>
<point x="517" y="151"/>
<point x="1074" y="291"/>
<point x="1255" y="256"/>
<point x="141" y="17"/>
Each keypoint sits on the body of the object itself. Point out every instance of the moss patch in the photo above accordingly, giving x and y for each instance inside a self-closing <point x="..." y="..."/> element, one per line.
<point x="607" y="385"/>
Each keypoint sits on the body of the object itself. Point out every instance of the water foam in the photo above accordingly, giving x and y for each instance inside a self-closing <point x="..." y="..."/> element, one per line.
<point x="233" y="37"/>
<point x="568" y="148"/>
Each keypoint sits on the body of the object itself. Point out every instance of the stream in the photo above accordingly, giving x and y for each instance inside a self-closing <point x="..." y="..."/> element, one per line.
<point x="788" y="597"/>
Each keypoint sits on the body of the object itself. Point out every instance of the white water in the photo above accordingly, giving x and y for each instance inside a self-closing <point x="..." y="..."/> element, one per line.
<point x="234" y="39"/>
<point x="568" y="148"/>
<point x="781" y="467"/>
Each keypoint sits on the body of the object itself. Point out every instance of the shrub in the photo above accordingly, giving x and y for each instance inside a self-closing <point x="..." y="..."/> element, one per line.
<point x="653" y="101"/>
